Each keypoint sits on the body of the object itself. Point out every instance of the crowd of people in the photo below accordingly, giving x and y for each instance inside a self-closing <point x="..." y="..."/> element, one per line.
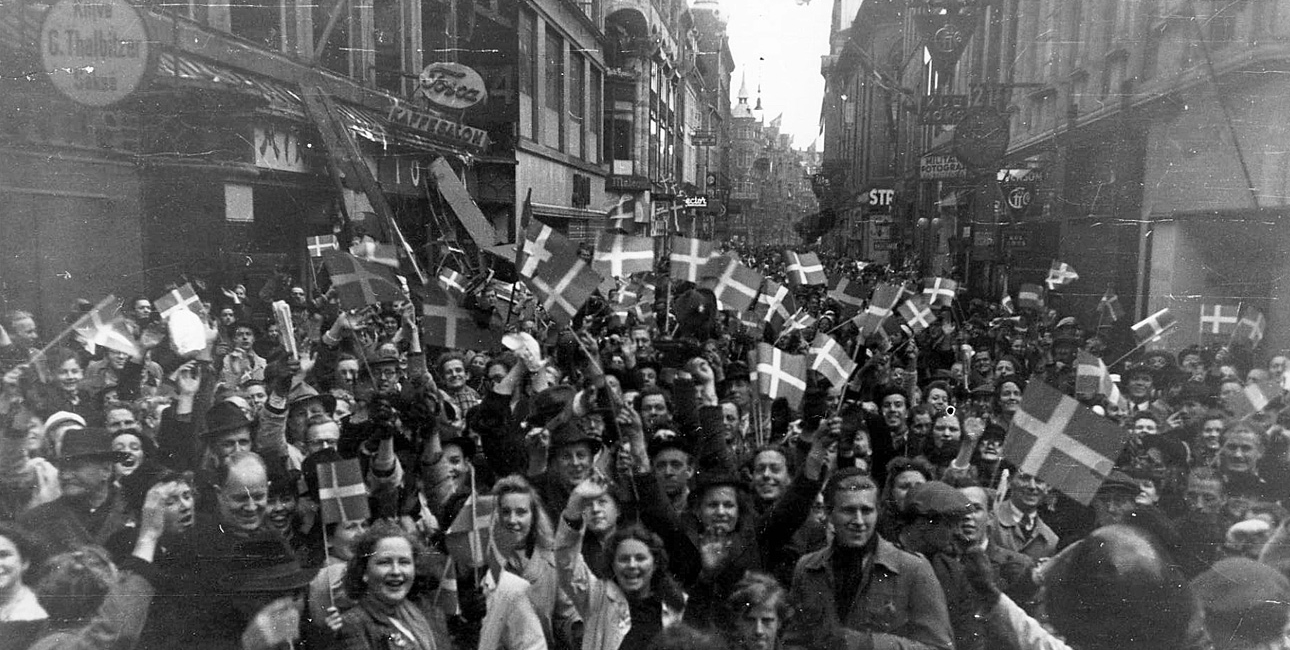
<point x="625" y="483"/>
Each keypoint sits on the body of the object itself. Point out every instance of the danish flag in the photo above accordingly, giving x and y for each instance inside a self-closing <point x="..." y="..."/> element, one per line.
<point x="688" y="257"/>
<point x="542" y="244"/>
<point x="734" y="284"/>
<point x="453" y="282"/>
<point x="1251" y="325"/>
<point x="321" y="244"/>
<point x="848" y="293"/>
<point x="100" y="326"/>
<point x="804" y="269"/>
<point x="1030" y="296"/>
<point x="829" y="359"/>
<point x="177" y="299"/>
<point x="779" y="303"/>
<point x="941" y="290"/>
<point x="1219" y="319"/>
<point x="1154" y="325"/>
<point x="780" y="374"/>
<point x="1060" y="275"/>
<point x="880" y="306"/>
<point x="574" y="282"/>
<point x="618" y="256"/>
<point x="917" y="312"/>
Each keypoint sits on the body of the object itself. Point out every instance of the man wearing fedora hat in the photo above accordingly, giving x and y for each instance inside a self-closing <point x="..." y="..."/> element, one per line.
<point x="88" y="512"/>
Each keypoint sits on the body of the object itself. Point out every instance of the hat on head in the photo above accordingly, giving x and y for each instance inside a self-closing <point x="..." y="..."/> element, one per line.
<point x="707" y="480"/>
<point x="62" y="418"/>
<point x="302" y="393"/>
<point x="1162" y="357"/>
<point x="737" y="371"/>
<point x="89" y="444"/>
<point x="668" y="438"/>
<point x="574" y="431"/>
<point x="938" y="499"/>
<point x="1117" y="482"/>
<point x="549" y="403"/>
<point x="264" y="565"/>
<point x="385" y="355"/>
<point x="1068" y="321"/>
<point x="224" y="417"/>
<point x="1238" y="585"/>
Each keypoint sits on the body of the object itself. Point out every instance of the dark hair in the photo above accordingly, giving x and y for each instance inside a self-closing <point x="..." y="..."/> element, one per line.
<point x="74" y="583"/>
<point x="888" y="391"/>
<point x="790" y="458"/>
<point x="28" y="549"/>
<point x="445" y="358"/>
<point x="640" y="397"/>
<point x="365" y="547"/>
<point x="1008" y="379"/>
<point x="60" y="355"/>
<point x="135" y="486"/>
<point x="847" y="478"/>
<point x="662" y="583"/>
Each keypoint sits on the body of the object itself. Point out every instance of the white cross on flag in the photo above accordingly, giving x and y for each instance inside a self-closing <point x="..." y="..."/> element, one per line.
<point x="734" y="284"/>
<point x="829" y="359"/>
<point x="618" y="256"/>
<point x="940" y="290"/>
<point x="1251" y="326"/>
<point x="1062" y="443"/>
<point x="1219" y="319"/>
<point x="542" y="244"/>
<point x="467" y="537"/>
<point x="452" y="326"/>
<point x="622" y="214"/>
<point x="453" y="282"/>
<point x="688" y="257"/>
<point x="804" y="269"/>
<point x="177" y="299"/>
<point x="880" y="306"/>
<point x="780" y="374"/>
<point x="321" y="244"/>
<point x="563" y="287"/>
<point x="800" y="321"/>
<point x="1154" y="325"/>
<point x="1092" y="378"/>
<point x="849" y="293"/>
<point x="779" y="303"/>
<point x="102" y="326"/>
<point x="342" y="492"/>
<point x="917" y="313"/>
<point x="1060" y="275"/>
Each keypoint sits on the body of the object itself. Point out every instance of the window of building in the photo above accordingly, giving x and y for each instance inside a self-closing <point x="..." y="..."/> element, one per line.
<point x="387" y="41"/>
<point x="340" y="53"/>
<point x="577" y="104"/>
<point x="620" y="125"/>
<point x="595" y="115"/>
<point x="527" y="72"/>
<point x="553" y="130"/>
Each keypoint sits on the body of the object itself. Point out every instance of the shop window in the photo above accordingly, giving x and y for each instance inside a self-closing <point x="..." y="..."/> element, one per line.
<point x="581" y="191"/>
<point x="620" y="126"/>
<point x="595" y="115"/>
<point x="577" y="140"/>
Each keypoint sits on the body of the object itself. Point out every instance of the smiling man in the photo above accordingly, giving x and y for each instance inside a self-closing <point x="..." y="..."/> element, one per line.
<point x="888" y="597"/>
<point x="1020" y="527"/>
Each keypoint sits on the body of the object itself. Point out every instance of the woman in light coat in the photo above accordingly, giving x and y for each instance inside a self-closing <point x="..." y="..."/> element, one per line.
<point x="629" y="610"/>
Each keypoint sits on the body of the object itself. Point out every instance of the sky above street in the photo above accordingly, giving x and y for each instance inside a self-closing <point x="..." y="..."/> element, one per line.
<point x="779" y="44"/>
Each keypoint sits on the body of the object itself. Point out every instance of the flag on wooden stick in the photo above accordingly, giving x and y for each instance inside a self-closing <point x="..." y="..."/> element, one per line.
<point x="342" y="492"/>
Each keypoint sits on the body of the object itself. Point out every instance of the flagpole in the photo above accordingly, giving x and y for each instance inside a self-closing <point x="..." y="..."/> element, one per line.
<point x="1231" y="340"/>
<point x="1156" y="337"/>
<point x="519" y="249"/>
<point x="67" y="330"/>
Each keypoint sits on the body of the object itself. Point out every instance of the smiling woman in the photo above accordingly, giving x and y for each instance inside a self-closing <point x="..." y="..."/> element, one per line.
<point x="383" y="577"/>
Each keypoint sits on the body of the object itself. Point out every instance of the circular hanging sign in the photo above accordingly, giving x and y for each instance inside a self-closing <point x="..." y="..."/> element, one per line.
<point x="451" y="85"/>
<point x="94" y="51"/>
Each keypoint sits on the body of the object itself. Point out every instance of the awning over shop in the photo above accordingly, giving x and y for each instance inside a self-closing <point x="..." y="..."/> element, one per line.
<point x="563" y="212"/>
<point x="283" y="100"/>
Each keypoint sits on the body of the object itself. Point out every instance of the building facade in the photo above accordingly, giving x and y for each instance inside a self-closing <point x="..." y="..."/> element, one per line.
<point x="1143" y="148"/>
